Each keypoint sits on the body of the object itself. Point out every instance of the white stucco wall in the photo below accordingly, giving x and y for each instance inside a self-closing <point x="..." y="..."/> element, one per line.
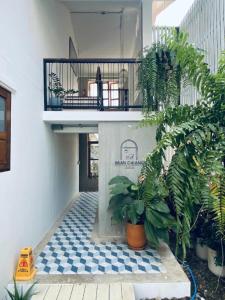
<point x="111" y="137"/>
<point x="147" y="23"/>
<point x="42" y="178"/>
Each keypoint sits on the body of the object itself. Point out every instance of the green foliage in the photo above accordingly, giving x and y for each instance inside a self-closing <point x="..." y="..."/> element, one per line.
<point x="125" y="202"/>
<point x="55" y="86"/>
<point x="159" y="78"/>
<point x="18" y="294"/>
<point x="218" y="204"/>
<point x="158" y="219"/>
<point x="196" y="134"/>
<point x="215" y="242"/>
<point x="144" y="203"/>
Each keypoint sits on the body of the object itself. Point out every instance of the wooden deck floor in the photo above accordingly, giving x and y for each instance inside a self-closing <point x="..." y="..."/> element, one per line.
<point x="113" y="291"/>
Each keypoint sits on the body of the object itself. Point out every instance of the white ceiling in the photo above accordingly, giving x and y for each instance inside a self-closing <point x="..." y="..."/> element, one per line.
<point x="101" y="5"/>
<point x="100" y="35"/>
<point x="158" y="6"/>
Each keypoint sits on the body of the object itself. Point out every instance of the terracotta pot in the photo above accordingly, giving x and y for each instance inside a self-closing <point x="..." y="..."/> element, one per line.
<point x="136" y="238"/>
<point x="217" y="270"/>
<point x="201" y="250"/>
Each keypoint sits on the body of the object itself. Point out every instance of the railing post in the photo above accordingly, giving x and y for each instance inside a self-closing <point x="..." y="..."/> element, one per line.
<point x="126" y="99"/>
<point x="99" y="89"/>
<point x="100" y="96"/>
<point x="45" y="84"/>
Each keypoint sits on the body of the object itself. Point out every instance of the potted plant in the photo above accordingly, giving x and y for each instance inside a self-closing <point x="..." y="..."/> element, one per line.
<point x="143" y="208"/>
<point x="216" y="251"/>
<point x="128" y="207"/>
<point x="57" y="92"/>
<point x="215" y="262"/>
<point x="201" y="248"/>
<point x="200" y="234"/>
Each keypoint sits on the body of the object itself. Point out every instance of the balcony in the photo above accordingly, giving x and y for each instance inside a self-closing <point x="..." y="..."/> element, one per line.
<point x="97" y="84"/>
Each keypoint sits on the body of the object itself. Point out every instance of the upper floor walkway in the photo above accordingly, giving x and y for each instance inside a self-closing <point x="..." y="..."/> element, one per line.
<point x="99" y="84"/>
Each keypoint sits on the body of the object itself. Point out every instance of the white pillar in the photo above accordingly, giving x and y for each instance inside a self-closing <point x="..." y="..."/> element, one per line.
<point x="147" y="22"/>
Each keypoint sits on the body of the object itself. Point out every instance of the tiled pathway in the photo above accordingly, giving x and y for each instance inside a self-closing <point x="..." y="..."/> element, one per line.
<point x="71" y="251"/>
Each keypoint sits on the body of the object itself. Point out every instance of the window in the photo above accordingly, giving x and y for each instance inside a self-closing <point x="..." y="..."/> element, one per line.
<point x="114" y="93"/>
<point x="92" y="89"/>
<point x="93" y="155"/>
<point x="110" y="92"/>
<point x="5" y="129"/>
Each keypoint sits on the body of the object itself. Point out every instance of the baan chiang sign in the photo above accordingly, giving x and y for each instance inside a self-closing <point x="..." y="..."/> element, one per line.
<point x="129" y="155"/>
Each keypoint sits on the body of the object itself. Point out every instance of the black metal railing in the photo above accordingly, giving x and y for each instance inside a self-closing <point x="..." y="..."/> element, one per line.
<point x="101" y="84"/>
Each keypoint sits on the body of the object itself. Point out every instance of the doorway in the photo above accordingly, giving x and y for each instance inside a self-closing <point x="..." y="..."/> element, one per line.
<point x="88" y="158"/>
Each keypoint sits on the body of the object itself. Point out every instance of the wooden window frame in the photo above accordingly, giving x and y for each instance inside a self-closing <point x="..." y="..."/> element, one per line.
<point x="109" y="90"/>
<point x="6" y="135"/>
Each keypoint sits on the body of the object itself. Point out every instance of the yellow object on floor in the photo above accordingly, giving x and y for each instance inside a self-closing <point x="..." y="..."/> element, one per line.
<point x="25" y="267"/>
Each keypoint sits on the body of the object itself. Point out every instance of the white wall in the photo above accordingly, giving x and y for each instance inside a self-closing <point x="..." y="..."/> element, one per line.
<point x="42" y="177"/>
<point x="205" y="24"/>
<point x="147" y="22"/>
<point x="111" y="136"/>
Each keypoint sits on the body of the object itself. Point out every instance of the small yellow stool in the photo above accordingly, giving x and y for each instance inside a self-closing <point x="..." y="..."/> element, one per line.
<point x="25" y="267"/>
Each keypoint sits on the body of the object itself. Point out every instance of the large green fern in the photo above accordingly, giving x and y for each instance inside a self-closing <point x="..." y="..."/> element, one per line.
<point x="159" y="78"/>
<point x="197" y="136"/>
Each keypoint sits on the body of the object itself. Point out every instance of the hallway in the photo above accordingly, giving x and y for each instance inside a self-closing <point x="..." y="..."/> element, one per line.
<point x="71" y="251"/>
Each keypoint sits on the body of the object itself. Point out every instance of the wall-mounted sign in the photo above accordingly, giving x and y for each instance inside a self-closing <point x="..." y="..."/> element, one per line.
<point x="129" y="155"/>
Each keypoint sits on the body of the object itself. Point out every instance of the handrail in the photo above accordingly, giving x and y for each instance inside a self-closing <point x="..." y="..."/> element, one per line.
<point x="93" y="60"/>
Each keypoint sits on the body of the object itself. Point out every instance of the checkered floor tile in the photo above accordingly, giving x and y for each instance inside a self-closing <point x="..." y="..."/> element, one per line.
<point x="71" y="251"/>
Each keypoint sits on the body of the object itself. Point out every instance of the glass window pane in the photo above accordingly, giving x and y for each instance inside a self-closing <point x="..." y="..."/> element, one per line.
<point x="94" y="151"/>
<point x="93" y="89"/>
<point x="105" y="91"/>
<point x="2" y="114"/>
<point x="106" y="103"/>
<point x="94" y="168"/>
<point x="114" y="91"/>
<point x="115" y="102"/>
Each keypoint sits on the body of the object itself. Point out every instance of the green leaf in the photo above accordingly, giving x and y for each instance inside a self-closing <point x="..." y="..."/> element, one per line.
<point x="163" y="235"/>
<point x="156" y="218"/>
<point x="117" y="217"/>
<point x="10" y="294"/>
<point x="160" y="206"/>
<point x="120" y="180"/>
<point x="140" y="206"/>
<point x="29" y="293"/>
<point x="115" y="201"/>
<point x="119" y="189"/>
<point x="132" y="214"/>
<point x="134" y="187"/>
<point x="151" y="234"/>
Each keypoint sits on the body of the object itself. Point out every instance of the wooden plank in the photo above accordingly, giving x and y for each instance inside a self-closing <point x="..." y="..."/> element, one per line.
<point x="115" y="291"/>
<point x="77" y="292"/>
<point x="90" y="292"/>
<point x="52" y="292"/>
<point x="41" y="291"/>
<point x="128" y="291"/>
<point x="65" y="292"/>
<point x="103" y="292"/>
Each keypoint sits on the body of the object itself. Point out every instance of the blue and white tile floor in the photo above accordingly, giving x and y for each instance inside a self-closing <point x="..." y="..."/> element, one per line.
<point x="71" y="251"/>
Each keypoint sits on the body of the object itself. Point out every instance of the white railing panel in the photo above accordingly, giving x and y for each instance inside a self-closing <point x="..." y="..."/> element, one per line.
<point x="205" y="23"/>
